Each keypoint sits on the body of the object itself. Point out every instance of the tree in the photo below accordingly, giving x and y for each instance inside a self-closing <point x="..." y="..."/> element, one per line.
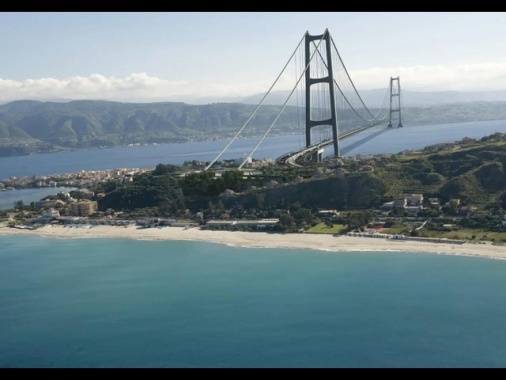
<point x="286" y="222"/>
<point x="294" y="207"/>
<point x="260" y="200"/>
<point x="359" y="219"/>
<point x="164" y="169"/>
<point x="19" y="205"/>
<point x="303" y="216"/>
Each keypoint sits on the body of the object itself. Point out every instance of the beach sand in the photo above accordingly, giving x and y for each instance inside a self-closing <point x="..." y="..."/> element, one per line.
<point x="266" y="240"/>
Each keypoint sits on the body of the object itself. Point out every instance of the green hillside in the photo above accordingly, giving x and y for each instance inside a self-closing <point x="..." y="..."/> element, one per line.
<point x="472" y="171"/>
<point x="85" y="124"/>
<point x="32" y="126"/>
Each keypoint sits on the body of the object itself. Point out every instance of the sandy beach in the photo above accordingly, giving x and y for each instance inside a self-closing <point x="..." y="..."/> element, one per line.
<point x="264" y="240"/>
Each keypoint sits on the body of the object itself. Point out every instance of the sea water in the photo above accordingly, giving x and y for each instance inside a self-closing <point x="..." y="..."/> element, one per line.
<point x="126" y="303"/>
<point x="131" y="303"/>
<point x="391" y="140"/>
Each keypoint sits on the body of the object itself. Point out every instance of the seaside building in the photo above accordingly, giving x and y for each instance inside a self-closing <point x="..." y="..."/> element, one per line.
<point x="83" y="208"/>
<point x="50" y="214"/>
<point x="48" y="203"/>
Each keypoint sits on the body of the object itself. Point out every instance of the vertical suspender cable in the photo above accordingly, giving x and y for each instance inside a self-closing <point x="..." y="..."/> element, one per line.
<point x="254" y="112"/>
<point x="280" y="111"/>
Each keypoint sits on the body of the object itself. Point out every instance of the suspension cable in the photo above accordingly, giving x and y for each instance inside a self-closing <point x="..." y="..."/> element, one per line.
<point x="282" y="108"/>
<point x="346" y="71"/>
<point x="342" y="93"/>
<point x="254" y="112"/>
<point x="356" y="91"/>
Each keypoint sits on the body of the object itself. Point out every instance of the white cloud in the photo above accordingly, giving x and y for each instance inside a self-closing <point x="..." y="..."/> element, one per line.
<point x="134" y="87"/>
<point x="477" y="77"/>
<point x="141" y="87"/>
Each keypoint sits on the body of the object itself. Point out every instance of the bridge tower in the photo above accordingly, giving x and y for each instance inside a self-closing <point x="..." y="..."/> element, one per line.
<point x="395" y="100"/>
<point x="332" y="121"/>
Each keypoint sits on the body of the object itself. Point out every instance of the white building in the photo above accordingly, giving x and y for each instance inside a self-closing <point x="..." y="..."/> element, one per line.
<point x="413" y="199"/>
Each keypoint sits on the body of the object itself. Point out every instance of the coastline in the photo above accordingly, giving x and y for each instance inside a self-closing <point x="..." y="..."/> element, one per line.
<point x="322" y="242"/>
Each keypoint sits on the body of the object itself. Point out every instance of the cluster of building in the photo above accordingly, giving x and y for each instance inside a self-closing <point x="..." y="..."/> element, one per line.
<point x="412" y="204"/>
<point x="82" y="178"/>
<point x="80" y="208"/>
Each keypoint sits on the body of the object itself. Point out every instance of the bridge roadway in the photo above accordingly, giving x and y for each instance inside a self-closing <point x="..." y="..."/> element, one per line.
<point x="301" y="157"/>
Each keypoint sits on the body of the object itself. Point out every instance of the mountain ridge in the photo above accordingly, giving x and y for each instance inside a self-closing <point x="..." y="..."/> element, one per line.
<point x="29" y="126"/>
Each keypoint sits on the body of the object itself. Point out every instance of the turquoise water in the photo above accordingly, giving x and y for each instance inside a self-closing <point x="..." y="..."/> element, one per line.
<point x="127" y="303"/>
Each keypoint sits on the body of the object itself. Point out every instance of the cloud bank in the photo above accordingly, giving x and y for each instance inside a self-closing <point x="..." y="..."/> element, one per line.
<point x="141" y="87"/>
<point x="477" y="77"/>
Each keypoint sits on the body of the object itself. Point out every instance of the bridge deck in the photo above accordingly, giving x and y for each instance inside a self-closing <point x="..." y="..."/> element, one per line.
<point x="300" y="157"/>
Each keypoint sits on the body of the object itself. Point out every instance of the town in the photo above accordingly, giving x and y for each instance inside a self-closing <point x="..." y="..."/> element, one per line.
<point x="248" y="201"/>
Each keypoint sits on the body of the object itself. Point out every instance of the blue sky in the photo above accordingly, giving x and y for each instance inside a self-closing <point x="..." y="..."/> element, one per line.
<point x="142" y="56"/>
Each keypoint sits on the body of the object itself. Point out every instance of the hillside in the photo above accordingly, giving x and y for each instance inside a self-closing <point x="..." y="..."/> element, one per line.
<point x="28" y="127"/>
<point x="475" y="174"/>
<point x="472" y="171"/>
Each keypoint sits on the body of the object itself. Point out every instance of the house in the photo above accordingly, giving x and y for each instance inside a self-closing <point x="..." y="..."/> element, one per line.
<point x="400" y="203"/>
<point x="413" y="199"/>
<point x="387" y="206"/>
<point x="413" y="210"/>
<point x="328" y="213"/>
<point x="434" y="203"/>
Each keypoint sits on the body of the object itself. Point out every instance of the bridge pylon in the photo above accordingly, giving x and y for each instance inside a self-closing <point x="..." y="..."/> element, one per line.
<point x="395" y="100"/>
<point x="332" y="121"/>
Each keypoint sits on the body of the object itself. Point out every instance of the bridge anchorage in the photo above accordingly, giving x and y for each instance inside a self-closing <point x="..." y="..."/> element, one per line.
<point x="330" y="105"/>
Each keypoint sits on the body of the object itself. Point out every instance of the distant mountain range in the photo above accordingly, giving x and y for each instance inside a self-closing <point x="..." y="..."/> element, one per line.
<point x="375" y="98"/>
<point x="371" y="98"/>
<point x="30" y="126"/>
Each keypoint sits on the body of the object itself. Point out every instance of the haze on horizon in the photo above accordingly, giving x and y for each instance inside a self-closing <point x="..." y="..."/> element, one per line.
<point x="180" y="56"/>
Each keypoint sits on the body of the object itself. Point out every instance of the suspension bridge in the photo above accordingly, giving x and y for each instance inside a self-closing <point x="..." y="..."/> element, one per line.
<point x="326" y="101"/>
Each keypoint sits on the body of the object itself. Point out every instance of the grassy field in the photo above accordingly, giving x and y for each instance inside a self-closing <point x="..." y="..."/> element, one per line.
<point x="321" y="228"/>
<point x="467" y="234"/>
<point x="461" y="234"/>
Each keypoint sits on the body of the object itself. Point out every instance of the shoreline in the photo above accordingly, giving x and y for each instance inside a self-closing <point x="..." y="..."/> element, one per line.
<point x="321" y="242"/>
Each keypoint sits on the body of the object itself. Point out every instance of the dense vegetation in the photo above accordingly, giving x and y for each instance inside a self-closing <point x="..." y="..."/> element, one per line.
<point x="472" y="171"/>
